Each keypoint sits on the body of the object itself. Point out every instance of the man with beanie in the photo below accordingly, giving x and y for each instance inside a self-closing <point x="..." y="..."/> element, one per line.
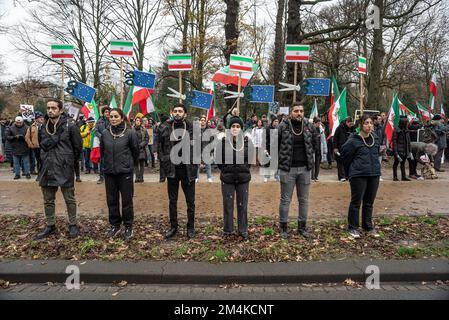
<point x="20" y="150"/>
<point x="296" y="149"/>
<point x="61" y="147"/>
<point x="176" y="131"/>
<point x="437" y="126"/>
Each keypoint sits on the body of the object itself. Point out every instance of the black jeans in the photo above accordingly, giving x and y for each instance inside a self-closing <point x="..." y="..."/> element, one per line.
<point x="139" y="169"/>
<point x="316" y="167"/>
<point x="189" y="191"/>
<point x="340" y="168"/>
<point x="412" y="164"/>
<point x="395" y="168"/>
<point x="362" y="189"/>
<point x="235" y="193"/>
<point x="116" y="186"/>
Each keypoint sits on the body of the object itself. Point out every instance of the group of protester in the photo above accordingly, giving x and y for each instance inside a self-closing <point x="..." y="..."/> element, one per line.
<point x="302" y="144"/>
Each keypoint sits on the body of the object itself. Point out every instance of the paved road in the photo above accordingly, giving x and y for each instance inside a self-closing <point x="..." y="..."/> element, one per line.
<point x="391" y="291"/>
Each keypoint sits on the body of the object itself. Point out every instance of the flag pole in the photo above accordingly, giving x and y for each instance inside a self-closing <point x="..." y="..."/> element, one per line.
<point x="180" y="85"/>
<point x="295" y="81"/>
<point x="361" y="91"/>
<point x="63" y="80"/>
<point x="121" y="83"/>
<point x="239" y="88"/>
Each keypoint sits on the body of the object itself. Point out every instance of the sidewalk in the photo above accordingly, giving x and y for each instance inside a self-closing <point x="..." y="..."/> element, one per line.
<point x="23" y="271"/>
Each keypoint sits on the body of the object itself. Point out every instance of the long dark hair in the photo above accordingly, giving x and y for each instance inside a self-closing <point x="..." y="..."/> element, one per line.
<point x="403" y="123"/>
<point x="122" y="115"/>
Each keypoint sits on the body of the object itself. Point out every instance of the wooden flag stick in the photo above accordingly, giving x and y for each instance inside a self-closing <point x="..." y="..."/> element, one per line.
<point x="295" y="81"/>
<point x="180" y="85"/>
<point x="63" y="80"/>
<point x="361" y="92"/>
<point x="239" y="88"/>
<point x="121" y="83"/>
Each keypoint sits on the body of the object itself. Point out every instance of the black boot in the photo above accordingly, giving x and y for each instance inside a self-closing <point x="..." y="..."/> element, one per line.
<point x="73" y="231"/>
<point x="283" y="229"/>
<point x="171" y="233"/>
<point x="48" y="231"/>
<point x="302" y="230"/>
<point x="190" y="233"/>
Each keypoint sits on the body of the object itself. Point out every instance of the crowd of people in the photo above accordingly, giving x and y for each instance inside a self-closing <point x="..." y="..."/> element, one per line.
<point x="58" y="148"/>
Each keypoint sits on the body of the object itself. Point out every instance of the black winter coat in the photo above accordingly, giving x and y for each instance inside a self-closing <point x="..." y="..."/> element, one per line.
<point x="164" y="146"/>
<point x="232" y="173"/>
<point x="360" y="160"/>
<point x="59" y="152"/>
<point x="341" y="135"/>
<point x="401" y="143"/>
<point x="101" y="125"/>
<point x="18" y="145"/>
<point x="285" y="144"/>
<point x="120" y="153"/>
<point x="143" y="138"/>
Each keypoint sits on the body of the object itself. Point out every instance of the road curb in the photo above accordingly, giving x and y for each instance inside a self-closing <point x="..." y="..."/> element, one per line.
<point x="25" y="271"/>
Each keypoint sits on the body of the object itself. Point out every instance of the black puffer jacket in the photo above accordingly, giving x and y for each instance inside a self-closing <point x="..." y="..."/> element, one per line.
<point x="164" y="146"/>
<point x="59" y="152"/>
<point x="360" y="160"/>
<point x="401" y="143"/>
<point x="18" y="145"/>
<point x="143" y="138"/>
<point x="232" y="173"/>
<point x="285" y="144"/>
<point x="119" y="153"/>
<point x="341" y="135"/>
<point x="413" y="129"/>
<point x="102" y="124"/>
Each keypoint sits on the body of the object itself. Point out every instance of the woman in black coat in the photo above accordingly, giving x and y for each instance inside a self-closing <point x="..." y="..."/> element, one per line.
<point x="143" y="138"/>
<point x="231" y="156"/>
<point x="401" y="148"/>
<point x="360" y="156"/>
<point x="120" y="148"/>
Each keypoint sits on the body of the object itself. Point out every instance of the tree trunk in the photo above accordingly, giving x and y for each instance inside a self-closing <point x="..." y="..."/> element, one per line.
<point x="231" y="27"/>
<point x="279" y="47"/>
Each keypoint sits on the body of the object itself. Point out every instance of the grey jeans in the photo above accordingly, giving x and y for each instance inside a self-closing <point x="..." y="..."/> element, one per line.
<point x="232" y="192"/>
<point x="299" y="177"/>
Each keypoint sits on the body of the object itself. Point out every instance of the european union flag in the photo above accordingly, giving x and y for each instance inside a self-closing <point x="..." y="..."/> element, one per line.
<point x="317" y="87"/>
<point x="80" y="91"/>
<point x="262" y="94"/>
<point x="201" y="100"/>
<point x="144" y="79"/>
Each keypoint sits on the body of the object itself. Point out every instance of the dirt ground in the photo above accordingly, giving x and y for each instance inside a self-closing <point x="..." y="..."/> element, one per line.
<point x="328" y="197"/>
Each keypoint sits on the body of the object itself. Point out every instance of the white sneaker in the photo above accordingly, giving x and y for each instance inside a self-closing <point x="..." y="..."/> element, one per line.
<point x="380" y="179"/>
<point x="265" y="180"/>
<point x="196" y="180"/>
<point x="342" y="180"/>
<point x="209" y="180"/>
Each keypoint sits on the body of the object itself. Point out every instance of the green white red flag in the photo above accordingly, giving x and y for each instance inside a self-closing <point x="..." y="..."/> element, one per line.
<point x="433" y="91"/>
<point x="297" y="53"/>
<point x="337" y="113"/>
<point x="226" y="77"/>
<point x="314" y="112"/>
<point x="423" y="111"/>
<point x="90" y="110"/>
<point x="180" y="62"/>
<point x="241" y="63"/>
<point x="212" y="110"/>
<point x="62" y="52"/>
<point x="362" y="65"/>
<point x="121" y="48"/>
<point x="392" y="119"/>
<point x="113" y="104"/>
<point x="140" y="96"/>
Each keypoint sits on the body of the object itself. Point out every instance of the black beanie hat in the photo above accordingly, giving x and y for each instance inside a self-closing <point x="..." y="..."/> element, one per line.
<point x="235" y="119"/>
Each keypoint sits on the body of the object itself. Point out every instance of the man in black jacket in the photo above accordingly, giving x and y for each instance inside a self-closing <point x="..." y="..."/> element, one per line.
<point x="20" y="150"/>
<point x="61" y="147"/>
<point x="100" y="126"/>
<point x="172" y="133"/>
<point x="341" y="135"/>
<point x="296" y="148"/>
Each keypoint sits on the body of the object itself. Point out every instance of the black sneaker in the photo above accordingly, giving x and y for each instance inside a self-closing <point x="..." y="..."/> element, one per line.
<point x="283" y="229"/>
<point x="171" y="233"/>
<point x="100" y="181"/>
<point x="113" y="232"/>
<point x="16" y="177"/>
<point x="28" y="176"/>
<point x="190" y="233"/>
<point x="128" y="234"/>
<point x="245" y="236"/>
<point x="74" y="231"/>
<point x="48" y="231"/>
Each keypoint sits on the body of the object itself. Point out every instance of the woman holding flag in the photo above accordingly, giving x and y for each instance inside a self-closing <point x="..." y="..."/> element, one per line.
<point x="120" y="148"/>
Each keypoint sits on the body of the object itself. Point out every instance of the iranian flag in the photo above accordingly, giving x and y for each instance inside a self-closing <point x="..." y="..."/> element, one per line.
<point x="62" y="52"/>
<point x="212" y="110"/>
<point x="140" y="96"/>
<point x="180" y="62"/>
<point x="314" y="112"/>
<point x="404" y="111"/>
<point x="338" y="112"/>
<point x="335" y="92"/>
<point x="297" y="53"/>
<point x="433" y="91"/>
<point x="90" y="110"/>
<point x="225" y="76"/>
<point x="423" y="111"/>
<point x="94" y="148"/>
<point x="362" y="65"/>
<point x="392" y="119"/>
<point x="121" y="48"/>
<point x="241" y="63"/>
<point x="113" y="104"/>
